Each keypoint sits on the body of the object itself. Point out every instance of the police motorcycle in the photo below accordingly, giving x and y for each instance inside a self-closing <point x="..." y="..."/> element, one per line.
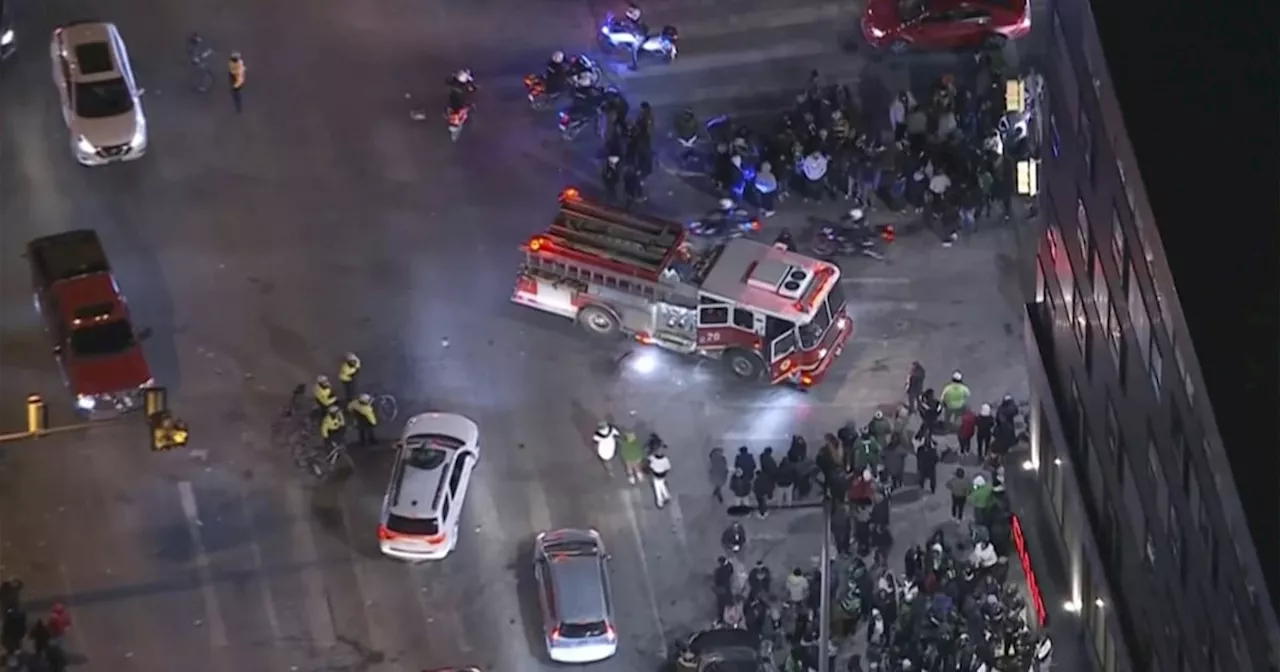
<point x="619" y="33"/>
<point x="588" y="103"/>
<point x="725" y="222"/>
<point x="576" y="72"/>
<point x="461" y="86"/>
<point x="852" y="235"/>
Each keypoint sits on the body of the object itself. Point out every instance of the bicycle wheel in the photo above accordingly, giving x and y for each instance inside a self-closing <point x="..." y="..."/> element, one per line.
<point x="384" y="406"/>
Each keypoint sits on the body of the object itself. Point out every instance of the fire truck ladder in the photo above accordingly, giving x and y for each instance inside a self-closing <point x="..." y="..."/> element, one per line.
<point x="623" y="242"/>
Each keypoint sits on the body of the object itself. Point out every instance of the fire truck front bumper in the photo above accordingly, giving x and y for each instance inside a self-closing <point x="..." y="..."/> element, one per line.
<point x="807" y="378"/>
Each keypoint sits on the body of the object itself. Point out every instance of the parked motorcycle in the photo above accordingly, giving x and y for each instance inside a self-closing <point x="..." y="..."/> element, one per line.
<point x="583" y="72"/>
<point x="724" y="224"/>
<point x="585" y="109"/>
<point x="835" y="239"/>
<point x="615" y="34"/>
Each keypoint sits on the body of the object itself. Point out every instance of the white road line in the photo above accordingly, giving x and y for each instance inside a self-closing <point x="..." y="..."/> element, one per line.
<point x="260" y="568"/>
<point x="377" y="638"/>
<point x="644" y="570"/>
<point x="319" y="620"/>
<point x="212" y="612"/>
<point x="539" y="510"/>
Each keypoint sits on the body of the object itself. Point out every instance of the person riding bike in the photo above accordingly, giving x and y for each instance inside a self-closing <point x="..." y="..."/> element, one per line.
<point x="461" y="85"/>
<point x="557" y="73"/>
<point x="632" y="24"/>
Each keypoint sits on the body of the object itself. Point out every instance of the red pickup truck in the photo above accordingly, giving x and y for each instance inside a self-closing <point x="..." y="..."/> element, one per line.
<point x="87" y="319"/>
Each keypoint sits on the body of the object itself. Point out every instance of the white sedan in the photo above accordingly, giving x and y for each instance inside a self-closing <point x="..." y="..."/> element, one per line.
<point x="101" y="101"/>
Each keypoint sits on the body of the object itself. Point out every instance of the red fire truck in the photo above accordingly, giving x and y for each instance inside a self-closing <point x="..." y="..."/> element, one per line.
<point x="765" y="312"/>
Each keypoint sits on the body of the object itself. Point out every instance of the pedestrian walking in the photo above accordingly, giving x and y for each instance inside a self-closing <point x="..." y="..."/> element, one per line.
<point x="959" y="487"/>
<point x="659" y="469"/>
<point x="40" y="637"/>
<point x="746" y="462"/>
<point x="968" y="427"/>
<point x="740" y="488"/>
<point x="927" y="464"/>
<point x="982" y="497"/>
<point x="718" y="473"/>
<point x="915" y="384"/>
<point x="797" y="587"/>
<point x="763" y="490"/>
<point x="13" y="630"/>
<point x="784" y="480"/>
<point x="198" y="53"/>
<point x="632" y="457"/>
<point x="235" y="75"/>
<point x="955" y="399"/>
<point x="984" y="429"/>
<point x="766" y="185"/>
<point x="895" y="465"/>
<point x="606" y="440"/>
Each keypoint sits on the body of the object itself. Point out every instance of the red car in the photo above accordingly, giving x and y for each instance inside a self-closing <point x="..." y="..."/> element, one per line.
<point x="901" y="25"/>
<point x="87" y="320"/>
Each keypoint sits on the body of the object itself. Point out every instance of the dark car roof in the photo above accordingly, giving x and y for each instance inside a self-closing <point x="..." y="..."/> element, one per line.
<point x="737" y="650"/>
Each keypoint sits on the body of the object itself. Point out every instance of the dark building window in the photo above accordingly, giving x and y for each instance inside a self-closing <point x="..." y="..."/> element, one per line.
<point x="1188" y="385"/>
<point x="1155" y="364"/>
<point x="1077" y="424"/>
<point x="1081" y="321"/>
<point x="1055" y="140"/>
<point x="1115" y="338"/>
<point x="1117" y="238"/>
<point x="1087" y="145"/>
<point x="1082" y="227"/>
<point x="1115" y="441"/>
<point x="1138" y="318"/>
<point x="1173" y="531"/>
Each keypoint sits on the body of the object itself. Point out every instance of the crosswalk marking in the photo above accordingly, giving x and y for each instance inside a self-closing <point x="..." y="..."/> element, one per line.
<point x="212" y="611"/>
<point x="647" y="577"/>
<point x="364" y="586"/>
<point x="259" y="567"/>
<point x="319" y="620"/>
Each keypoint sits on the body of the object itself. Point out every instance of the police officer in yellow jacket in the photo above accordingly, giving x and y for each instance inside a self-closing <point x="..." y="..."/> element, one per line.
<point x="235" y="75"/>
<point x="361" y="409"/>
<point x="347" y="375"/>
<point x="323" y="393"/>
<point x="334" y="425"/>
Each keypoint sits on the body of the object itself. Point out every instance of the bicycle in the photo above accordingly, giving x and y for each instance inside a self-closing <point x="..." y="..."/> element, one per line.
<point x="336" y="457"/>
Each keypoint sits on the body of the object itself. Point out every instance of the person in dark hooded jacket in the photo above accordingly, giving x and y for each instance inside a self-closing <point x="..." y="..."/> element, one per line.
<point x="745" y="461"/>
<point x="768" y="463"/>
<point x="763" y="488"/>
<point x="785" y="479"/>
<point x="740" y="487"/>
<point x="717" y="473"/>
<point x="930" y="410"/>
<point x="984" y="429"/>
<point x="799" y="450"/>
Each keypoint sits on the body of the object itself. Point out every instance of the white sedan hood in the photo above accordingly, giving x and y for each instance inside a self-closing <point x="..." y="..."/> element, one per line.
<point x="109" y="131"/>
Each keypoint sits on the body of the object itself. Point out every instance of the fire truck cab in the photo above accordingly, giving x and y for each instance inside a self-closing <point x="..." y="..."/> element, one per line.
<point x="765" y="312"/>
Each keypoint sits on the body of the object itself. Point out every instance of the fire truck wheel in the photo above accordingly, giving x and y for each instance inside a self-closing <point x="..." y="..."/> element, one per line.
<point x="599" y="321"/>
<point x="743" y="364"/>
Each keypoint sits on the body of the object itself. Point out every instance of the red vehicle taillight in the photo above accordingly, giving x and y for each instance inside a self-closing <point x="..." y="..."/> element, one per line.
<point x="386" y="535"/>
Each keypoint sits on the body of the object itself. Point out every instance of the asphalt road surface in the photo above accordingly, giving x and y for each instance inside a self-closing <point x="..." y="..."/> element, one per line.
<point x="259" y="247"/>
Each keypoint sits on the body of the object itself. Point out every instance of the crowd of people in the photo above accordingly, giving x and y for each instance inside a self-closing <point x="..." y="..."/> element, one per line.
<point x="949" y="609"/>
<point x="950" y="157"/>
<point x="43" y="635"/>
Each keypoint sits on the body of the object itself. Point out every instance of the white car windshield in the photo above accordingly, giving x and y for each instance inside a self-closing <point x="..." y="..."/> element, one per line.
<point x="96" y="100"/>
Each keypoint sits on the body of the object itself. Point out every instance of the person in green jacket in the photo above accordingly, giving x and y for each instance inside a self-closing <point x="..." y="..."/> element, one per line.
<point x="982" y="498"/>
<point x="955" y="399"/>
<point x="632" y="451"/>
<point x="866" y="452"/>
<point x="880" y="428"/>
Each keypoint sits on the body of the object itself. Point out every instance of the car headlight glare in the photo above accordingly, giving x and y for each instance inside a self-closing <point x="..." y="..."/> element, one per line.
<point x="876" y="32"/>
<point x="86" y="402"/>
<point x="85" y="146"/>
<point x="6" y="38"/>
<point x="822" y="354"/>
<point x="139" y="135"/>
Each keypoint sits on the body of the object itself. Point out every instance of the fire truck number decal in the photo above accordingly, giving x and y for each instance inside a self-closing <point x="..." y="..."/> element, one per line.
<point x="709" y="337"/>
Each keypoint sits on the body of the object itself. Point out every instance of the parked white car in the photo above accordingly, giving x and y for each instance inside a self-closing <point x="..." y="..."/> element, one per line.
<point x="422" y="508"/>
<point x="101" y="100"/>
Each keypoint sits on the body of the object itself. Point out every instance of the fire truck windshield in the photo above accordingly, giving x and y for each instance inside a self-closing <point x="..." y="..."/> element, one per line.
<point x="811" y="334"/>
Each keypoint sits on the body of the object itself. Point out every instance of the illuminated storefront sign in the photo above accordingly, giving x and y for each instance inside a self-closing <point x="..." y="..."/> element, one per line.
<point x="1020" y="543"/>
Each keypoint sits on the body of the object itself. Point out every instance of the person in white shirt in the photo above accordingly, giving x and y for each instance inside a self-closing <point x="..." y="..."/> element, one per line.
<point x="606" y="440"/>
<point x="659" y="468"/>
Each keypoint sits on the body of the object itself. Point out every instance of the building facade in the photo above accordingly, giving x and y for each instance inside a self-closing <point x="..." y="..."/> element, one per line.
<point x="1126" y="478"/>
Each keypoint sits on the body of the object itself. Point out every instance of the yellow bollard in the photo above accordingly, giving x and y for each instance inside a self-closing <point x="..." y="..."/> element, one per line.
<point x="37" y="415"/>
<point x="156" y="401"/>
